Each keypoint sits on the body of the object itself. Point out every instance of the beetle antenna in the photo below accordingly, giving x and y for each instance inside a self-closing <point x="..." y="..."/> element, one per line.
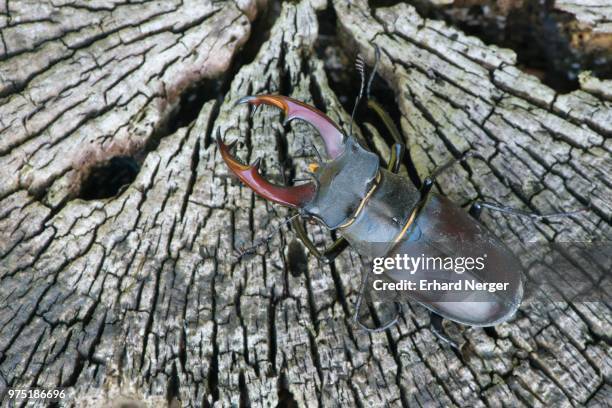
<point x="243" y="251"/>
<point x="376" y="61"/>
<point x="360" y="65"/>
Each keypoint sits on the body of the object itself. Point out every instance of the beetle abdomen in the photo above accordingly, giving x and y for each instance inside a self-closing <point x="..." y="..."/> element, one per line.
<point x="441" y="234"/>
<point x="470" y="276"/>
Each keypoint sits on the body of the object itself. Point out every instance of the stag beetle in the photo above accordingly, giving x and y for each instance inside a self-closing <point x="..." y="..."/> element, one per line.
<point x="368" y="204"/>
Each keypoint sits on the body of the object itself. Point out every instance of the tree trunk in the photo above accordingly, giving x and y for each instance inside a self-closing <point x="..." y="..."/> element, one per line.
<point x="119" y="222"/>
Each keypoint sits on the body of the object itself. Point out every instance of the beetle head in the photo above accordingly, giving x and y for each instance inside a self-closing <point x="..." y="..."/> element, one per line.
<point x="339" y="184"/>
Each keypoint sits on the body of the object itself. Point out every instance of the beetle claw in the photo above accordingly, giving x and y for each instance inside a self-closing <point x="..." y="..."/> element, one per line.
<point x="293" y="109"/>
<point x="244" y="99"/>
<point x="296" y="196"/>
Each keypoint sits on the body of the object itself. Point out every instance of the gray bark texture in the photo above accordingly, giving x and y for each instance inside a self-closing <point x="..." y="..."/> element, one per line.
<point x="594" y="14"/>
<point x="137" y="297"/>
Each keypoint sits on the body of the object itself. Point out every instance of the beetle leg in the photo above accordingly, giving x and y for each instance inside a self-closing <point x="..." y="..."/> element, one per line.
<point x="296" y="196"/>
<point x="429" y="181"/>
<point x="242" y="251"/>
<point x="475" y="210"/>
<point x="392" y="322"/>
<point x="399" y="148"/>
<point x="478" y="206"/>
<point x="336" y="248"/>
<point x="303" y="236"/>
<point x="397" y="153"/>
<point x="438" y="329"/>
<point x="386" y="119"/>
<point x="382" y="327"/>
<point x="329" y="254"/>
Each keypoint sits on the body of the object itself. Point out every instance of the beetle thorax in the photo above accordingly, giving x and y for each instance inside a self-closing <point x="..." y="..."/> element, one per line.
<point x="342" y="184"/>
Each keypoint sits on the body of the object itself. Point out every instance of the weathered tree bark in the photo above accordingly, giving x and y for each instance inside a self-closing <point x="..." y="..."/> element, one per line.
<point x="594" y="14"/>
<point x="554" y="40"/>
<point x="136" y="296"/>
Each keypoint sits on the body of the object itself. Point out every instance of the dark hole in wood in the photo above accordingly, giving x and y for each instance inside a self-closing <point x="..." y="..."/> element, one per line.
<point x="107" y="179"/>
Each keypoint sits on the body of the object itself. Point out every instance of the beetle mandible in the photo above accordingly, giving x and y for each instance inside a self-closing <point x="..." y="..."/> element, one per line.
<point x="377" y="211"/>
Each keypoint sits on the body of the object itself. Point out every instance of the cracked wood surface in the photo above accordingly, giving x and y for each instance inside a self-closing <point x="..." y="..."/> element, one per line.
<point x="594" y="14"/>
<point x="139" y="298"/>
